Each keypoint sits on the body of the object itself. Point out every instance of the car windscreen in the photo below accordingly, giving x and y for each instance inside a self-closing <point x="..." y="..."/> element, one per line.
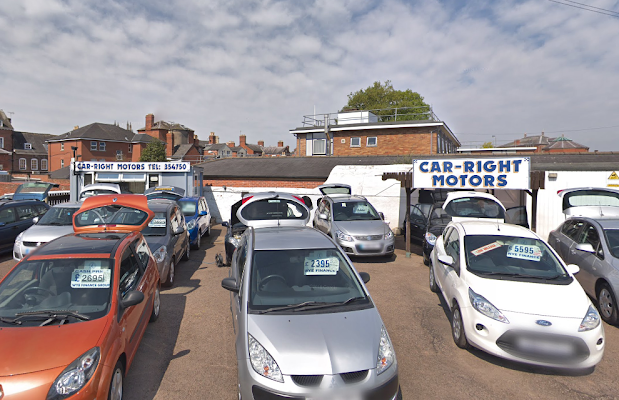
<point x="165" y="196"/>
<point x="583" y="198"/>
<point x="157" y="226"/>
<point x="110" y="215"/>
<point x="58" y="216"/>
<point x="438" y="216"/>
<point x="509" y="257"/>
<point x="80" y="285"/>
<point x="95" y="192"/>
<point x="354" y="211"/>
<point x="32" y="187"/>
<point x="272" y="209"/>
<point x="317" y="277"/>
<point x="188" y="208"/>
<point x="612" y="237"/>
<point x="475" y="207"/>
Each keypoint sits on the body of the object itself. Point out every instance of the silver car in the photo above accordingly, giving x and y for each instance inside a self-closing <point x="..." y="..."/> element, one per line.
<point x="353" y="222"/>
<point x="56" y="222"/>
<point x="589" y="238"/>
<point x="306" y="326"/>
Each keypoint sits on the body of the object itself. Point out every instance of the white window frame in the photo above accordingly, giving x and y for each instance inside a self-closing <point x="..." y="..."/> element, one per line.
<point x="355" y="145"/>
<point x="130" y="148"/>
<point x="34" y="164"/>
<point x="367" y="142"/>
<point x="27" y="146"/>
<point x="101" y="146"/>
<point x="44" y="164"/>
<point x="61" y="163"/>
<point x="25" y="164"/>
<point x="1" y="143"/>
<point x="93" y="146"/>
<point x="324" y="146"/>
<point x="61" y="146"/>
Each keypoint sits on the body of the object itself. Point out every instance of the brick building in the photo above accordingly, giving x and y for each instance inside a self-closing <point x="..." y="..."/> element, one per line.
<point x="22" y="152"/>
<point x="362" y="133"/>
<point x="6" y="142"/>
<point x="181" y="142"/>
<point x="214" y="149"/>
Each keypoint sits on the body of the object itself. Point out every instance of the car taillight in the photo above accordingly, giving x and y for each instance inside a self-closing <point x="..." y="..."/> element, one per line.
<point x="246" y="199"/>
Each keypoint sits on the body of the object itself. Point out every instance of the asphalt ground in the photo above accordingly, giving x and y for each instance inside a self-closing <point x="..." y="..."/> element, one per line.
<point x="189" y="352"/>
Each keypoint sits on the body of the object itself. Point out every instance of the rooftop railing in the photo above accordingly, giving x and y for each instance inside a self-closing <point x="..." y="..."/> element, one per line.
<point x="420" y="113"/>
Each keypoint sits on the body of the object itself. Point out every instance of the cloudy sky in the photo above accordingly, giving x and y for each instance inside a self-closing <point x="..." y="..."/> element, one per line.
<point x="498" y="67"/>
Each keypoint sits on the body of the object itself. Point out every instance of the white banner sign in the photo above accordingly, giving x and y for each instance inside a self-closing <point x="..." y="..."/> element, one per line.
<point x="96" y="166"/>
<point x="472" y="173"/>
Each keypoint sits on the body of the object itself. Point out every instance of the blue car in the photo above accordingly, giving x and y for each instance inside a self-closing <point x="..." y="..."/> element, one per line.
<point x="197" y="217"/>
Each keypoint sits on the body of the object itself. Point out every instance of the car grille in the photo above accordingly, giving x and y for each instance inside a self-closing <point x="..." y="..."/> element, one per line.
<point x="33" y="244"/>
<point x="307" y="380"/>
<point x="546" y="348"/>
<point x="369" y="237"/>
<point x="354" y="377"/>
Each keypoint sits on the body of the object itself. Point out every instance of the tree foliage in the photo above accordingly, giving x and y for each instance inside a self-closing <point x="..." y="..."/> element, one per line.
<point x="154" y="152"/>
<point x="487" y="145"/>
<point x="383" y="99"/>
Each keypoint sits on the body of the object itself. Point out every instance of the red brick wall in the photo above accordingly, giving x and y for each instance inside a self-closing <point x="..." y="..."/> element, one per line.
<point x="6" y="159"/>
<point x="262" y="183"/>
<point x="83" y="150"/>
<point x="301" y="145"/>
<point x="405" y="141"/>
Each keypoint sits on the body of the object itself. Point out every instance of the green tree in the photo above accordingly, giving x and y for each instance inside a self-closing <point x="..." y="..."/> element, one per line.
<point x="154" y="152"/>
<point x="487" y="145"/>
<point x="383" y="99"/>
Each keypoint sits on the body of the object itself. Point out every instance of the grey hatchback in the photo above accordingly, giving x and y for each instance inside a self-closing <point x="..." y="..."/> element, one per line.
<point x="167" y="238"/>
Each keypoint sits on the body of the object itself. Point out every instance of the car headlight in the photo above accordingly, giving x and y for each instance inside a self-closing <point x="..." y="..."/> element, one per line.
<point x="389" y="234"/>
<point x="485" y="307"/>
<point x="19" y="238"/>
<point x="590" y="321"/>
<point x="343" y="236"/>
<point x="160" y="254"/>
<point x="191" y="224"/>
<point x="262" y="362"/>
<point x="234" y="240"/>
<point x="75" y="376"/>
<point x="386" y="356"/>
<point x="430" y="238"/>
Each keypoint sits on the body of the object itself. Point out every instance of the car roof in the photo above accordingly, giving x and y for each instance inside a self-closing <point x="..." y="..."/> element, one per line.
<point x="481" y="227"/>
<point x="86" y="243"/>
<point x="604" y="222"/>
<point x="287" y="238"/>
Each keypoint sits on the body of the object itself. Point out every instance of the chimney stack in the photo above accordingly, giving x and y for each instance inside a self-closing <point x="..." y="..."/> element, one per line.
<point x="169" y="146"/>
<point x="242" y="139"/>
<point x="280" y="143"/>
<point x="261" y="143"/>
<point x="230" y="144"/>
<point x="150" y="121"/>
<point x="211" y="138"/>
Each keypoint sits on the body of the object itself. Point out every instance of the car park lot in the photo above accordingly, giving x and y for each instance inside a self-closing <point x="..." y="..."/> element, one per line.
<point x="189" y="352"/>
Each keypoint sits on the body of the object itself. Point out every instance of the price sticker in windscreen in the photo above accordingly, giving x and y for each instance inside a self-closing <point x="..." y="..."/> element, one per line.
<point x="524" y="252"/>
<point x="91" y="277"/>
<point x="321" y="266"/>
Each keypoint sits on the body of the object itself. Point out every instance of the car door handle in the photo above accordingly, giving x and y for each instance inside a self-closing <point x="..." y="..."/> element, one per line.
<point x="573" y="251"/>
<point x="557" y="240"/>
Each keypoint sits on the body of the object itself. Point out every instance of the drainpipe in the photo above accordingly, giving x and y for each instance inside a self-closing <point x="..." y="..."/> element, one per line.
<point x="327" y="134"/>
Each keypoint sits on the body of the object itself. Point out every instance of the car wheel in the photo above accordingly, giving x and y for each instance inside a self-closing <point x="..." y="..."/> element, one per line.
<point x="433" y="286"/>
<point x="607" y="304"/>
<point x="156" y="305"/>
<point x="399" y="395"/>
<point x="116" y="386"/>
<point x="169" y="282"/>
<point x="457" y="328"/>
<point x="187" y="252"/>
<point x="198" y="241"/>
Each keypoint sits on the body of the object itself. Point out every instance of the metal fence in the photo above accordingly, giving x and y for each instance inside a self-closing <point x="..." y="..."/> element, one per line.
<point x="420" y="113"/>
<point x="58" y="196"/>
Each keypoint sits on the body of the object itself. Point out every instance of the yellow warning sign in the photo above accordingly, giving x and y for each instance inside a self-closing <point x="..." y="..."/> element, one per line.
<point x="613" y="180"/>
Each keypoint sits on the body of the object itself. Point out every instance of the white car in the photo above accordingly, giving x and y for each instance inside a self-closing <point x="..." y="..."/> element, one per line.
<point x="467" y="205"/>
<point x="512" y="296"/>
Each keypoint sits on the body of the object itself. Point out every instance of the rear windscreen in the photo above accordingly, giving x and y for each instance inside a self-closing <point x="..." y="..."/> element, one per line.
<point x="583" y="198"/>
<point x="269" y="209"/>
<point x="111" y="214"/>
<point x="475" y="207"/>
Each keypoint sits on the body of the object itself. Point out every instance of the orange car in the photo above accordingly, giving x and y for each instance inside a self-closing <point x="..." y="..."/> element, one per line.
<point x="73" y="312"/>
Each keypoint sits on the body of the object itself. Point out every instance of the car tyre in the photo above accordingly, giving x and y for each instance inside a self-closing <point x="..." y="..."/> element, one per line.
<point x="399" y="395"/>
<point x="198" y="241"/>
<point x="607" y="304"/>
<point x="426" y="260"/>
<point x="156" y="305"/>
<point x="116" y="385"/>
<point x="432" y="279"/>
<point x="187" y="252"/>
<point x="457" y="328"/>
<point x="169" y="282"/>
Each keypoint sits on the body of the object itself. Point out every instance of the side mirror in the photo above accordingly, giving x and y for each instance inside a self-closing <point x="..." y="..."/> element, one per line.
<point x="230" y="284"/>
<point x="573" y="268"/>
<point x="35" y="220"/>
<point x="132" y="298"/>
<point x="203" y="212"/>
<point x="381" y="215"/>
<point x="322" y="216"/>
<point x="225" y="224"/>
<point x="308" y="202"/>
<point x="365" y="277"/>
<point x="179" y="230"/>
<point x="586" y="247"/>
<point x="447" y="260"/>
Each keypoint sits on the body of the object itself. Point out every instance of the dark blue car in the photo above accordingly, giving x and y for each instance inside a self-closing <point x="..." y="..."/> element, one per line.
<point x="197" y="217"/>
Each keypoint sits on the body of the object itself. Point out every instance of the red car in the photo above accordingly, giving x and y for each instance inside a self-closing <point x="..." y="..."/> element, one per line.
<point x="73" y="312"/>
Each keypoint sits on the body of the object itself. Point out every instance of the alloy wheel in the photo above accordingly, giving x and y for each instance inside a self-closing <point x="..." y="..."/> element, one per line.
<point x="605" y="302"/>
<point x="116" y="391"/>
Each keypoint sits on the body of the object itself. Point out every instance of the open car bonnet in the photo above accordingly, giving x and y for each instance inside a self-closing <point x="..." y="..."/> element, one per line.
<point x="590" y="202"/>
<point x="113" y="213"/>
<point x="260" y="210"/>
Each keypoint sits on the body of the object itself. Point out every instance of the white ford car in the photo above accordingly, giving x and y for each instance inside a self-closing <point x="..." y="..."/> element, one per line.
<point x="512" y="296"/>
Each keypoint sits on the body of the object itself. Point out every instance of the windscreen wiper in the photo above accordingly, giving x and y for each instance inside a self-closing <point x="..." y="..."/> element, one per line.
<point x="290" y="306"/>
<point x="52" y="315"/>
<point x="332" y="304"/>
<point x="10" y="321"/>
<point x="518" y="275"/>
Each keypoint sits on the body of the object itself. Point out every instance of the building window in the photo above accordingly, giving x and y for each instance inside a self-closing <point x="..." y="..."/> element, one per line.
<point x="27" y="146"/>
<point x="372" y="141"/>
<point x="1" y="143"/>
<point x="130" y="147"/>
<point x="119" y="155"/>
<point x="44" y="164"/>
<point x="61" y="163"/>
<point x="61" y="146"/>
<point x="101" y="146"/>
<point x="355" y="142"/>
<point x="34" y="164"/>
<point x="22" y="164"/>
<point x="320" y="146"/>
<point x="93" y="146"/>
<point x="1" y="167"/>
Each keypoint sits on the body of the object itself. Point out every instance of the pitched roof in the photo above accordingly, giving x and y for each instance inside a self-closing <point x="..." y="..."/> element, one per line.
<point x="97" y="131"/>
<point x="181" y="150"/>
<point x="62" y="173"/>
<point x="216" y="147"/>
<point x="256" y="148"/>
<point x="142" y="138"/>
<point x="170" y="126"/>
<point x="36" y="140"/>
<point x="564" y="143"/>
<point x="530" y="141"/>
<point x="273" y="150"/>
<point x="5" y="122"/>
